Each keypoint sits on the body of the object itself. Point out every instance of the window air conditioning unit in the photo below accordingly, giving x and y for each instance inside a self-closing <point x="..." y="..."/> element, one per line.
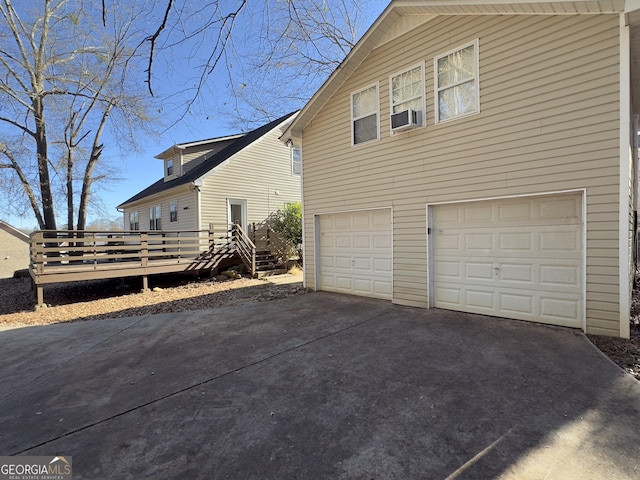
<point x="405" y="120"/>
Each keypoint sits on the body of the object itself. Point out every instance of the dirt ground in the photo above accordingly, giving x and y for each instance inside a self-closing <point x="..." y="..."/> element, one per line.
<point x="112" y="298"/>
<point x="102" y="299"/>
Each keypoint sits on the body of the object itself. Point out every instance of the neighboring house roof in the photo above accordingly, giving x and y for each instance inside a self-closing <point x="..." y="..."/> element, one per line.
<point x="382" y="30"/>
<point x="14" y="231"/>
<point x="169" y="152"/>
<point x="241" y="142"/>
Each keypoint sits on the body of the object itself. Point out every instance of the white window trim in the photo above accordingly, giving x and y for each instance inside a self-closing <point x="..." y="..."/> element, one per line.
<point x="174" y="202"/>
<point x="169" y="164"/>
<point x="154" y="219"/>
<point x="292" y="162"/>
<point x="242" y="202"/>
<point x="134" y="215"/>
<point x="436" y="109"/>
<point x="423" y="113"/>
<point x="377" y="85"/>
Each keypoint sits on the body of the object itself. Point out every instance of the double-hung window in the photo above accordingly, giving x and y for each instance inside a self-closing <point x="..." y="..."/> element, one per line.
<point x="296" y="162"/>
<point x="134" y="220"/>
<point x="365" y="115"/>
<point x="169" y="167"/>
<point x="155" y="217"/>
<point x="407" y="94"/>
<point x="457" y="91"/>
<point x="173" y="211"/>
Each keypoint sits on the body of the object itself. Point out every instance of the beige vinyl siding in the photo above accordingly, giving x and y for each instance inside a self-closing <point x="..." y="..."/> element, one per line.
<point x="548" y="121"/>
<point x="194" y="156"/>
<point x="14" y="254"/>
<point x="187" y="219"/>
<point x="254" y="175"/>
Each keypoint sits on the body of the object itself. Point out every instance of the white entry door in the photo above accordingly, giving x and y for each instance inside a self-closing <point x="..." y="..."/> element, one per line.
<point x="237" y="212"/>
<point x="355" y="254"/>
<point x="517" y="258"/>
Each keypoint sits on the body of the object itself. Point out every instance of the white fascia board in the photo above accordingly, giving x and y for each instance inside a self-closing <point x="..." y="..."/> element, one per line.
<point x="624" y="272"/>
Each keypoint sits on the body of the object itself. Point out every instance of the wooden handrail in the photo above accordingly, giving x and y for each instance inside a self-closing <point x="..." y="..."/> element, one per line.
<point x="245" y="248"/>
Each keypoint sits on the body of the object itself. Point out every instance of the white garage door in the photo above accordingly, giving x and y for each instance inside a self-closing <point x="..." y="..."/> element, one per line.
<point x="355" y="253"/>
<point x="517" y="258"/>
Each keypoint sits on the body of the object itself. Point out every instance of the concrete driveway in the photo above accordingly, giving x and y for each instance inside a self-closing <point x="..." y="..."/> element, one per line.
<point x="320" y="386"/>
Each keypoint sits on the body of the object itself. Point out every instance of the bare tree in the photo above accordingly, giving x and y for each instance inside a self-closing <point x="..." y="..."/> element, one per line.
<point x="62" y="76"/>
<point x="70" y="70"/>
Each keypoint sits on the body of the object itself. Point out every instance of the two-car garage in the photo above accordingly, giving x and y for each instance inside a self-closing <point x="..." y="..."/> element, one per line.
<point x="520" y="258"/>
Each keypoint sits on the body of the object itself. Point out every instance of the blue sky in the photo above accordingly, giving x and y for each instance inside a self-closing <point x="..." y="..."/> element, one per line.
<point x="211" y="115"/>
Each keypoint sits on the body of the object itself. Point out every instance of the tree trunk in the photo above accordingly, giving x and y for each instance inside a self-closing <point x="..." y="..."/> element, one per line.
<point x="70" y="187"/>
<point x="88" y="179"/>
<point x="48" y="211"/>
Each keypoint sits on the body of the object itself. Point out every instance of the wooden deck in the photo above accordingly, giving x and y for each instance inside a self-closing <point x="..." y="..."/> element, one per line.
<point x="72" y="255"/>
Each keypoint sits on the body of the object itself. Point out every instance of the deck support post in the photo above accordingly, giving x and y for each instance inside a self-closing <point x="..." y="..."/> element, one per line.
<point x="39" y="296"/>
<point x="145" y="283"/>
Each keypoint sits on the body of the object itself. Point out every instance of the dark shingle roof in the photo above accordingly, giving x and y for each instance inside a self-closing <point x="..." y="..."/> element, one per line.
<point x="209" y="164"/>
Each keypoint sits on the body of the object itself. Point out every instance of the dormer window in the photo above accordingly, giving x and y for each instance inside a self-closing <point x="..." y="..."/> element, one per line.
<point x="169" y="167"/>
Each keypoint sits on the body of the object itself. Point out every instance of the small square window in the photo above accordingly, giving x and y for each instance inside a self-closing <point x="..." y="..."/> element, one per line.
<point x="456" y="83"/>
<point x="364" y="115"/>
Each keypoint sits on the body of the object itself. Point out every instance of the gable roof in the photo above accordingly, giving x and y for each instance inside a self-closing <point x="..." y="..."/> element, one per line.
<point x="241" y="142"/>
<point x="14" y="231"/>
<point x="172" y="150"/>
<point x="428" y="9"/>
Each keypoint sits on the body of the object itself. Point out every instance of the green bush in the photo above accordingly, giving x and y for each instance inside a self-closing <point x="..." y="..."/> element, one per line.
<point x="287" y="222"/>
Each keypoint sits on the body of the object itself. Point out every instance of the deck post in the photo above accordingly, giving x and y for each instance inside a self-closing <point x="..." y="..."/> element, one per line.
<point x="145" y="283"/>
<point x="39" y="296"/>
<point x="144" y="248"/>
<point x="212" y="238"/>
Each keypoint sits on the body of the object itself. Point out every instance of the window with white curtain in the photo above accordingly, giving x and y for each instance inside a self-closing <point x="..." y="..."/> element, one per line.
<point x="457" y="92"/>
<point x="364" y="115"/>
<point x="407" y="92"/>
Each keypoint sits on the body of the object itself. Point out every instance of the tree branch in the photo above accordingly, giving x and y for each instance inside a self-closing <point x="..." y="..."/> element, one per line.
<point x="152" y="39"/>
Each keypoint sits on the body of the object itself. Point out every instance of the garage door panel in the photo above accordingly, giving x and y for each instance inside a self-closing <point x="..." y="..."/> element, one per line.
<point x="516" y="304"/>
<point x="561" y="242"/>
<point x="479" y="299"/>
<point x="362" y="265"/>
<point x="554" y="276"/>
<point x="478" y="242"/>
<point x="342" y="241"/>
<point x="478" y="271"/>
<point x="516" y="242"/>
<point x="518" y="273"/>
<point x="448" y="244"/>
<point x="343" y="263"/>
<point x="382" y="265"/>
<point x="361" y="250"/>
<point x="559" y="309"/>
<point x="518" y="263"/>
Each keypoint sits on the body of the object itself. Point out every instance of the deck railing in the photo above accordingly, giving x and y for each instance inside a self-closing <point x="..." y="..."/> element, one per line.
<point x="244" y="247"/>
<point x="74" y="249"/>
<point x="267" y="239"/>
